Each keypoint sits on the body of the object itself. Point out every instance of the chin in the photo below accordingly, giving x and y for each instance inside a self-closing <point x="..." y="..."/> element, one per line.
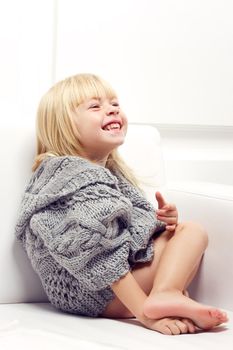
<point x="120" y="141"/>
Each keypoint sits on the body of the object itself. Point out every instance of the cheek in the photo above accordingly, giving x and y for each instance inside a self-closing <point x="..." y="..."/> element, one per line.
<point x="87" y="127"/>
<point x="125" y="124"/>
<point x="124" y="118"/>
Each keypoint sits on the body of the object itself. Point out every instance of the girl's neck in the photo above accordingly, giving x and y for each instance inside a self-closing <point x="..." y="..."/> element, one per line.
<point x="100" y="161"/>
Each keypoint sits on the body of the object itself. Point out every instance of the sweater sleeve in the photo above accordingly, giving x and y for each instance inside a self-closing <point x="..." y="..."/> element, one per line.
<point x="143" y="226"/>
<point x="87" y="234"/>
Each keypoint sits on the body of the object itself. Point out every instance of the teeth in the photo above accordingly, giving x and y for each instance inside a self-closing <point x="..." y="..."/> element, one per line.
<point x="112" y="126"/>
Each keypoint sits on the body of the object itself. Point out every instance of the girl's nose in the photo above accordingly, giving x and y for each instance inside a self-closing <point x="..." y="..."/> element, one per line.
<point x="112" y="110"/>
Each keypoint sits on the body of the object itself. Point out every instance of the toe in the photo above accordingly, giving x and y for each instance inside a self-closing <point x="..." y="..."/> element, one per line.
<point x="190" y="325"/>
<point x="162" y="326"/>
<point x="174" y="328"/>
<point x="183" y="327"/>
<point x="219" y="315"/>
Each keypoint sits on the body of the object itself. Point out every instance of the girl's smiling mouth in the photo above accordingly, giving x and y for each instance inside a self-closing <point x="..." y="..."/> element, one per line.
<point x="114" y="124"/>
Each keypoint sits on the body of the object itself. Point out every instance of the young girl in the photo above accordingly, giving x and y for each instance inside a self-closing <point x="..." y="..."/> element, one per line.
<point x="96" y="243"/>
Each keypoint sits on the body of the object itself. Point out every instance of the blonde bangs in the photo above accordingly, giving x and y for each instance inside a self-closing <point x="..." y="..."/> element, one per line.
<point x="89" y="86"/>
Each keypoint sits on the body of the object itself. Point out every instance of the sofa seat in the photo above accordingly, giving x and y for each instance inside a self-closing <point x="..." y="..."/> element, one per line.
<point x="39" y="326"/>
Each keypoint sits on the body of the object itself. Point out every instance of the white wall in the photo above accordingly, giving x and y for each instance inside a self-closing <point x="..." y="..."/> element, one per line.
<point x="170" y="61"/>
<point x="26" y="41"/>
<point x="198" y="153"/>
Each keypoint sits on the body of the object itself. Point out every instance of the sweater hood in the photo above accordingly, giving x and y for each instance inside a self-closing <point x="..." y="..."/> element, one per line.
<point x="59" y="177"/>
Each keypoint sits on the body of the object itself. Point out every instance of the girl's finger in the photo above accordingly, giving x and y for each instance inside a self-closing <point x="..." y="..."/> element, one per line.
<point x="170" y="206"/>
<point x="167" y="220"/>
<point x="170" y="228"/>
<point x="162" y="212"/>
<point x="161" y="201"/>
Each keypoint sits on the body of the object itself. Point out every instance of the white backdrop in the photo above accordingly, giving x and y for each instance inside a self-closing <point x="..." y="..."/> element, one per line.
<point x="26" y="59"/>
<point x="170" y="61"/>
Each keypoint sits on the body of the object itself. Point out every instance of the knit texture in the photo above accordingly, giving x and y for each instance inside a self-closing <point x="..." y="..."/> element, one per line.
<point x="83" y="228"/>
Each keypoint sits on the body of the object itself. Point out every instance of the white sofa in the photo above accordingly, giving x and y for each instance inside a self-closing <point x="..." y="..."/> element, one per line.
<point x="28" y="321"/>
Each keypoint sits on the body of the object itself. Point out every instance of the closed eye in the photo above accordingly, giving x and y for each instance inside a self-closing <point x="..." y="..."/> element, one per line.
<point x="95" y="106"/>
<point x="115" y="103"/>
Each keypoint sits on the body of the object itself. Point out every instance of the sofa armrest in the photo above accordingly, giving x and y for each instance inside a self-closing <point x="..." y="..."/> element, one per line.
<point x="212" y="206"/>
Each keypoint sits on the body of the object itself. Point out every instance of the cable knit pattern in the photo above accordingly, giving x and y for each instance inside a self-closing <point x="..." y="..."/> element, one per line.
<point x="83" y="228"/>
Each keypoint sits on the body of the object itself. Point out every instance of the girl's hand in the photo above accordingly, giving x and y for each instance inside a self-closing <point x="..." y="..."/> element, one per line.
<point x="166" y="212"/>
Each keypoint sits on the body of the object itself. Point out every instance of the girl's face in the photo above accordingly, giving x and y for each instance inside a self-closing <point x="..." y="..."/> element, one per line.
<point x="101" y="127"/>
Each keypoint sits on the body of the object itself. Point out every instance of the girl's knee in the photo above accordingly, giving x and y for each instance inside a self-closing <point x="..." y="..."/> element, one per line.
<point x="195" y="228"/>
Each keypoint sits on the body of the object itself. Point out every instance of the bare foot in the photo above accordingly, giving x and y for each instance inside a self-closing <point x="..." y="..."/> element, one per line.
<point x="174" y="304"/>
<point x="170" y="326"/>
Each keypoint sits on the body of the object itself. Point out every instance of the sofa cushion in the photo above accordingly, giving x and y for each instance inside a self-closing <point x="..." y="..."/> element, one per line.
<point x="40" y="326"/>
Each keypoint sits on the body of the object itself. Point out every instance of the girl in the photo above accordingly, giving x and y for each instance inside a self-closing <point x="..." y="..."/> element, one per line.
<point x="91" y="236"/>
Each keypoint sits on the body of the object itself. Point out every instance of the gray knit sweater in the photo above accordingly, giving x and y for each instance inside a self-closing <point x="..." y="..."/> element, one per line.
<point x="83" y="228"/>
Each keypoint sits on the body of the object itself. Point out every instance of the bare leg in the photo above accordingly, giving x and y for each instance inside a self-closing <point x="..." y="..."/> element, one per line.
<point x="144" y="274"/>
<point x="180" y="258"/>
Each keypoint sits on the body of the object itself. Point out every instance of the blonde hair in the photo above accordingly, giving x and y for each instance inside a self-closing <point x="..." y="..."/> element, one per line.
<point x="56" y="133"/>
